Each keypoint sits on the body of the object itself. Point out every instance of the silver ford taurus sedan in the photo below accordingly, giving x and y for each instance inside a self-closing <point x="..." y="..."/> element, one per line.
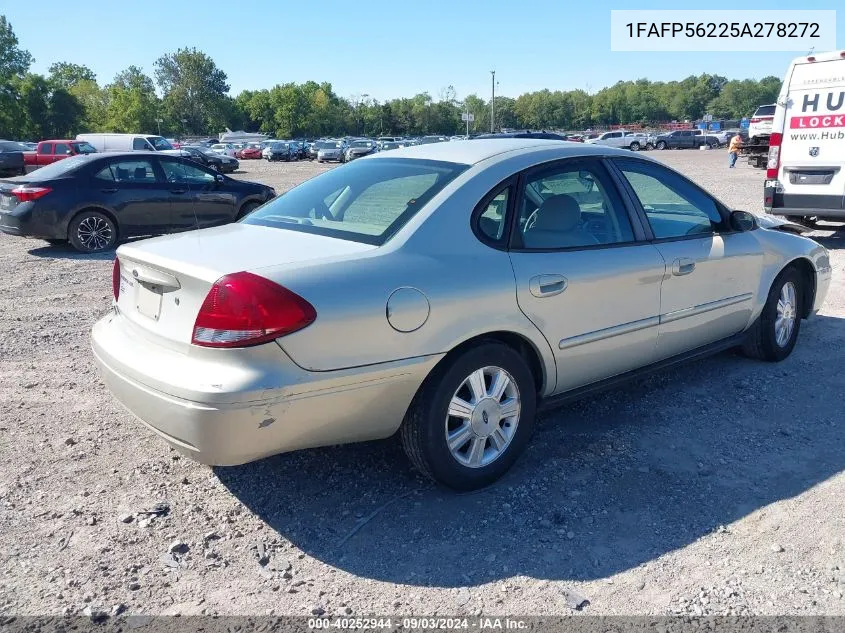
<point x="444" y="291"/>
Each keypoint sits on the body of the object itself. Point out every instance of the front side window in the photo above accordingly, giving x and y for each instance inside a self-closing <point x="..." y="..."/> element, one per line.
<point x="674" y="207"/>
<point x="570" y="206"/>
<point x="175" y="171"/>
<point x="128" y="171"/>
<point x="61" y="148"/>
<point x="365" y="201"/>
<point x="139" y="144"/>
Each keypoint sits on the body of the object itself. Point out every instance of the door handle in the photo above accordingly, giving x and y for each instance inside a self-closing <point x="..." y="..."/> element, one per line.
<point x="108" y="190"/>
<point x="547" y="285"/>
<point x="178" y="190"/>
<point x="683" y="266"/>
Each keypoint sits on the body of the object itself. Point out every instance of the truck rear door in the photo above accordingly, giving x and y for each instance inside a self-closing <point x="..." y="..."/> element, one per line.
<point x="812" y="155"/>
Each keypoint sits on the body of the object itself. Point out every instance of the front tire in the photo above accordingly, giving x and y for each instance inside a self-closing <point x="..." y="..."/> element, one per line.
<point x="92" y="232"/>
<point x="635" y="146"/>
<point x="472" y="418"/>
<point x="774" y="334"/>
<point x="661" y="145"/>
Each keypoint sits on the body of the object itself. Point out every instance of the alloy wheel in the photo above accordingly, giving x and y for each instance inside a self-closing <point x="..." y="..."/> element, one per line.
<point x="786" y="314"/>
<point x="483" y="417"/>
<point x="94" y="233"/>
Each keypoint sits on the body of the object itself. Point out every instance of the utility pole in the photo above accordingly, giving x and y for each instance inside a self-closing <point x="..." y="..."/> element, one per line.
<point x="493" y="101"/>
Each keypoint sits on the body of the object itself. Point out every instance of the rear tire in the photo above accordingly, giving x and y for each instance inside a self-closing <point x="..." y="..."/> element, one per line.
<point x="767" y="339"/>
<point x="92" y="232"/>
<point x="494" y="424"/>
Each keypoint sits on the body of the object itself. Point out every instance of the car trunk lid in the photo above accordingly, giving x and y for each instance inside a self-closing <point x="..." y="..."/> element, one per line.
<point x="164" y="281"/>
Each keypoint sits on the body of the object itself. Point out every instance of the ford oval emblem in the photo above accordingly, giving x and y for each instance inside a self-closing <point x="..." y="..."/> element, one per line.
<point x="135" y="273"/>
<point x="814" y="151"/>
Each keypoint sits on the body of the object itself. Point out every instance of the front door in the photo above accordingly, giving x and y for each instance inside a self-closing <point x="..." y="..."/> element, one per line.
<point x="711" y="271"/>
<point x="582" y="276"/>
<point x="197" y="199"/>
<point x="137" y="194"/>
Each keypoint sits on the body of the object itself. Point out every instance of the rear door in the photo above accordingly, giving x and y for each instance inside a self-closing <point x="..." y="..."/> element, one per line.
<point x="712" y="272"/>
<point x="137" y="192"/>
<point x="45" y="154"/>
<point x="812" y="155"/>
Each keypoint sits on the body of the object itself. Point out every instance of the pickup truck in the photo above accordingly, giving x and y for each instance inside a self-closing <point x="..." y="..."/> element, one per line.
<point x="686" y="139"/>
<point x="634" y="141"/>
<point x="49" y="152"/>
<point x="11" y="158"/>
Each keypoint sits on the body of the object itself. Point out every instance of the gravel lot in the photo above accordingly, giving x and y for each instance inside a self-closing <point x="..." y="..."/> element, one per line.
<point x="716" y="488"/>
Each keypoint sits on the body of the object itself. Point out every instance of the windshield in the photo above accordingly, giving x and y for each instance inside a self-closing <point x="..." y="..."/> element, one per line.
<point x="279" y="146"/>
<point x="84" y="148"/>
<point x="328" y="145"/>
<point x="159" y="143"/>
<point x="362" y="144"/>
<point x="58" y="169"/>
<point x="365" y="201"/>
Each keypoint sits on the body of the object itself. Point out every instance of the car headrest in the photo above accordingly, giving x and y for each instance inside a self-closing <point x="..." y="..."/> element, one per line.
<point x="558" y="213"/>
<point x="140" y="173"/>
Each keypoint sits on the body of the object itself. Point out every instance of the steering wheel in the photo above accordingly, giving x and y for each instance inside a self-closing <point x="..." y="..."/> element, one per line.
<point x="531" y="221"/>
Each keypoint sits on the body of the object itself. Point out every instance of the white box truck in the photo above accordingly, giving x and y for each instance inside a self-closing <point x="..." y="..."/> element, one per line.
<point x="805" y="171"/>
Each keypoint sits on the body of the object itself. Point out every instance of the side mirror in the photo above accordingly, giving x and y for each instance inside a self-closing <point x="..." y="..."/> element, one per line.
<point x="69" y="152"/>
<point x="220" y="178"/>
<point x="743" y="221"/>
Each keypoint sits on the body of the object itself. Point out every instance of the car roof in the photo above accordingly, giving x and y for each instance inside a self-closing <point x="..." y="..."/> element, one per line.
<point x="476" y="150"/>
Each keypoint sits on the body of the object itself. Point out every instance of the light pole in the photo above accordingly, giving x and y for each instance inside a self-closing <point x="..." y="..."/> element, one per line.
<point x="159" y="125"/>
<point x="492" y="101"/>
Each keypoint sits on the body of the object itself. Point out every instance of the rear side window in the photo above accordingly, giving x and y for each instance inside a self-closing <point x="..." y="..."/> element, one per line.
<point x="45" y="148"/>
<point x="364" y="201"/>
<point x="128" y="171"/>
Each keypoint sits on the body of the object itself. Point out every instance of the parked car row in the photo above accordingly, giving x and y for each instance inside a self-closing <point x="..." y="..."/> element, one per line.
<point x="94" y="200"/>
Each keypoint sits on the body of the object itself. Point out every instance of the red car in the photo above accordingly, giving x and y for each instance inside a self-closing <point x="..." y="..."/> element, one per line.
<point x="248" y="152"/>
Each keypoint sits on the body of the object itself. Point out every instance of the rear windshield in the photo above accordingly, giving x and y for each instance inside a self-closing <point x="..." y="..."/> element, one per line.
<point x="364" y="201"/>
<point x="327" y="144"/>
<point x="768" y="110"/>
<point x="59" y="168"/>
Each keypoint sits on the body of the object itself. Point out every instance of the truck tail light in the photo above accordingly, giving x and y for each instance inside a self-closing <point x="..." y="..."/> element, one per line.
<point x="773" y="163"/>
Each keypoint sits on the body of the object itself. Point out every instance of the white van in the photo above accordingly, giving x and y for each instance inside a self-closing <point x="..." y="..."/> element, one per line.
<point x="128" y="143"/>
<point x="805" y="175"/>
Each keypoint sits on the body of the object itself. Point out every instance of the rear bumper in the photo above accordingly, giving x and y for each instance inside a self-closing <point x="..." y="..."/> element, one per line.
<point x="260" y="403"/>
<point x="827" y="207"/>
<point x="26" y="222"/>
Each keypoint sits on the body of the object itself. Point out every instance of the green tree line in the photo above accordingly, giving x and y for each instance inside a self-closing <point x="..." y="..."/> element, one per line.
<point x="188" y="94"/>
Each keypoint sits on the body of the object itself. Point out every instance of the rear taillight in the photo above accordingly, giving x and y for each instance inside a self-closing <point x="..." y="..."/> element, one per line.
<point x="25" y="193"/>
<point x="244" y="309"/>
<point x="774" y="155"/>
<point x="115" y="278"/>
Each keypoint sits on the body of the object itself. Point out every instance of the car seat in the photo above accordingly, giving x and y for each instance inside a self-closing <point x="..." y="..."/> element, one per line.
<point x="558" y="225"/>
